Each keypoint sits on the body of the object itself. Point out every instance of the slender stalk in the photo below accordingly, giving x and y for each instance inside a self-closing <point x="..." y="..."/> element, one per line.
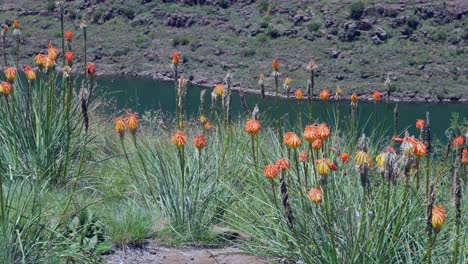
<point x="252" y="140"/>
<point x="182" y="190"/>
<point x="62" y="31"/>
<point x="4" y="48"/>
<point x="17" y="51"/>
<point x="326" y="199"/>
<point x="2" y="206"/>
<point x="85" y="51"/>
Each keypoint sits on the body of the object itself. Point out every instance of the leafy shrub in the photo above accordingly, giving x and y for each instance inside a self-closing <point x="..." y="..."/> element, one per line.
<point x="247" y="52"/>
<point x="273" y="33"/>
<point x="413" y="22"/>
<point x="51" y="5"/>
<point x="262" y="38"/>
<point x="180" y="40"/>
<point x="454" y="39"/>
<point x="407" y="30"/>
<point x="263" y="24"/>
<point x="263" y="6"/>
<point x="128" y="12"/>
<point x="314" y="26"/>
<point x="356" y="9"/>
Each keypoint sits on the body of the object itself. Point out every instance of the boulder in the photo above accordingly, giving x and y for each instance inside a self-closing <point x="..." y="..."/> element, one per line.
<point x="381" y="34"/>
<point x="364" y="25"/>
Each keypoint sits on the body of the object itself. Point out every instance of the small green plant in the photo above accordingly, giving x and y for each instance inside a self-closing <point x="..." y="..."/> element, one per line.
<point x="263" y="24"/>
<point x="262" y="38"/>
<point x="263" y="6"/>
<point x="314" y="26"/>
<point x="180" y="40"/>
<point x="248" y="52"/>
<point x="129" y="223"/>
<point x="273" y="33"/>
<point x="128" y="12"/>
<point x="356" y="9"/>
<point x="51" y="5"/>
<point x="413" y="22"/>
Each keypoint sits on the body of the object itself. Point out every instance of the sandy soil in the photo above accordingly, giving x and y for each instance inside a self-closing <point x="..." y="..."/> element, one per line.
<point x="153" y="253"/>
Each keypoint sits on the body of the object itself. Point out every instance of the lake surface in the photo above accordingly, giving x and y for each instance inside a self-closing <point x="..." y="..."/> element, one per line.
<point x="145" y="94"/>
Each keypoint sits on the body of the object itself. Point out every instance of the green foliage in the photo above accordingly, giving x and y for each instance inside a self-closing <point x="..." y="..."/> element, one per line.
<point x="273" y="33"/>
<point x="356" y="9"/>
<point x="263" y="24"/>
<point x="314" y="26"/>
<point x="180" y="40"/>
<point x="263" y="6"/>
<point x="51" y="5"/>
<point x="129" y="223"/>
<point x="248" y="52"/>
<point x="413" y="22"/>
<point x="262" y="38"/>
<point x="127" y="11"/>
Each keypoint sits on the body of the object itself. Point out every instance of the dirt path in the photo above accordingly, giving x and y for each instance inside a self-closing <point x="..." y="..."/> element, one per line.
<point x="154" y="253"/>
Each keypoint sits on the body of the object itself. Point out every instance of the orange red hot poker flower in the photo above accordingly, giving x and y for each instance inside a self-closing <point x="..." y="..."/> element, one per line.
<point x="30" y="74"/>
<point x="458" y="142"/>
<point x="175" y="58"/>
<point x="69" y="57"/>
<point x="303" y="156"/>
<point x="5" y="88"/>
<point x="68" y="36"/>
<point x="131" y="119"/>
<point x="275" y="65"/>
<point x="90" y="69"/>
<point x="179" y="139"/>
<point x="464" y="159"/>
<point x="10" y="74"/>
<point x="40" y="60"/>
<point x="271" y="171"/>
<point x="282" y="164"/>
<point x="291" y="140"/>
<point x="420" y="124"/>
<point x="324" y="95"/>
<point x="377" y="96"/>
<point x="199" y="142"/>
<point x="438" y="217"/>
<point x="315" y="195"/>
<point x="120" y="126"/>
<point x="252" y="127"/>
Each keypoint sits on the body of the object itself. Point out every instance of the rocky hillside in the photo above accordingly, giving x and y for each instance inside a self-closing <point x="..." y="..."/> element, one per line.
<point x="421" y="44"/>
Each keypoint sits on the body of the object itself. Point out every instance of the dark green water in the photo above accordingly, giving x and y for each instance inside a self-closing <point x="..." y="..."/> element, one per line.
<point x="144" y="94"/>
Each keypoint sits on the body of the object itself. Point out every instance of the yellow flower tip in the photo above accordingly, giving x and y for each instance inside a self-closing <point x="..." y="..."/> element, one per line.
<point x="132" y="122"/>
<point x="299" y="95"/>
<point x="219" y="89"/>
<point x="323" y="166"/>
<point x="119" y="126"/>
<point x="362" y="158"/>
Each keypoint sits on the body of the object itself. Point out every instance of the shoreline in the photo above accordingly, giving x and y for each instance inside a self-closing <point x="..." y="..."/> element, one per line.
<point x="396" y="96"/>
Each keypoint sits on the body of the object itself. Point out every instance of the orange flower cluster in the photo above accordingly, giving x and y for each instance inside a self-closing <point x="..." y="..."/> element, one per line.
<point x="458" y="142"/>
<point x="324" y="95"/>
<point x="303" y="156"/>
<point x="5" y="88"/>
<point x="179" y="139"/>
<point x="420" y="124"/>
<point x="10" y="74"/>
<point x="68" y="36"/>
<point x="412" y="146"/>
<point x="252" y="127"/>
<point x="354" y="98"/>
<point x="299" y="95"/>
<point x="282" y="164"/>
<point x="69" y="57"/>
<point x="291" y="140"/>
<point x="30" y="74"/>
<point x="315" y="195"/>
<point x="199" y="142"/>
<point x="219" y="89"/>
<point x="175" y="58"/>
<point x="465" y="156"/>
<point x="90" y="69"/>
<point x="376" y="96"/>
<point x="313" y="132"/>
<point x="438" y="217"/>
<point x="271" y="171"/>
<point x="275" y="65"/>
<point x="130" y="120"/>
<point x="120" y="126"/>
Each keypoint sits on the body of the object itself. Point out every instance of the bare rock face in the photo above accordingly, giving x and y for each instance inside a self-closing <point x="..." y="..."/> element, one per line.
<point x="364" y="25"/>
<point x="179" y="20"/>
